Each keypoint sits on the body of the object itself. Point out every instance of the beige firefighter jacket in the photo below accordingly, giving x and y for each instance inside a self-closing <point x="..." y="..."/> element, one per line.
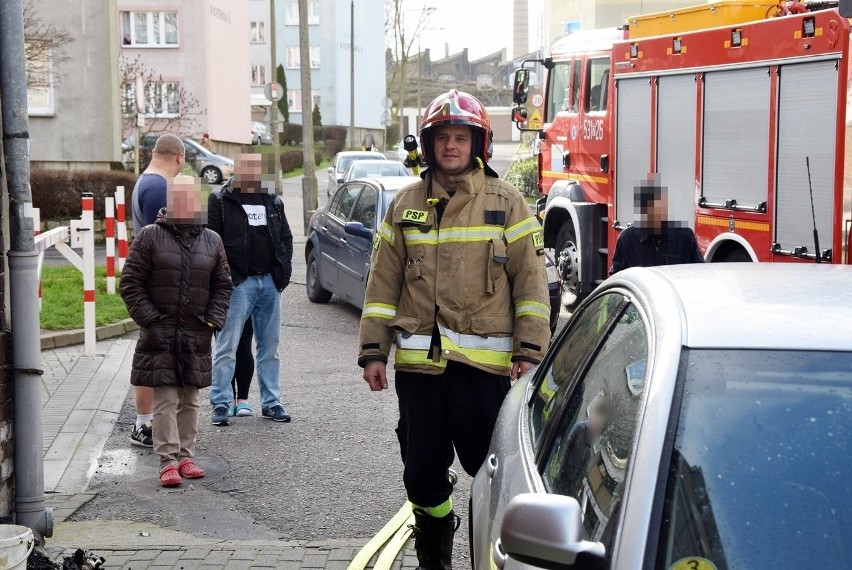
<point x="479" y="275"/>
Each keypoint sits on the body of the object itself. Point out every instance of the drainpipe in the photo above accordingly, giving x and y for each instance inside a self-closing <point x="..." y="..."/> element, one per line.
<point x="30" y="510"/>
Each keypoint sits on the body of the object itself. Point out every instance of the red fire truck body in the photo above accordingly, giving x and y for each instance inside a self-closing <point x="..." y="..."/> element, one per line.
<point x="745" y="124"/>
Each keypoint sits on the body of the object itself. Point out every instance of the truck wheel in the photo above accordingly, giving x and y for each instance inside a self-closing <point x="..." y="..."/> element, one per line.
<point x="567" y="264"/>
<point x="737" y="256"/>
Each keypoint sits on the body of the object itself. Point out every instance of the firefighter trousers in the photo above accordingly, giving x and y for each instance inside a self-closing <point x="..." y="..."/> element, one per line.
<point x="439" y="413"/>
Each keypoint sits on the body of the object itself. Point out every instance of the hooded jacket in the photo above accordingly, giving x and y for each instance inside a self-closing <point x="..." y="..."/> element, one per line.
<point x="467" y="286"/>
<point x="176" y="286"/>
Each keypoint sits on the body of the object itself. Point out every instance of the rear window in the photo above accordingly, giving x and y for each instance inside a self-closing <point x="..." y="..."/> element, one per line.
<point x="761" y="471"/>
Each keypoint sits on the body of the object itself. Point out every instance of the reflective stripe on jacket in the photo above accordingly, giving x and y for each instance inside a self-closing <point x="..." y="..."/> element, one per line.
<point x="479" y="274"/>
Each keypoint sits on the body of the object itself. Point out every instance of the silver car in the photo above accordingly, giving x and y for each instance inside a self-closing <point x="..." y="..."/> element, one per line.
<point x="341" y="160"/>
<point x="211" y="167"/>
<point x="373" y="169"/>
<point x="686" y="417"/>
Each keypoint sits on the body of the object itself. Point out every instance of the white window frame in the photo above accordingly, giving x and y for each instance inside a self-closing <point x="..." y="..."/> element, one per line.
<point x="294" y="100"/>
<point x="294" y="57"/>
<point x="157" y="94"/>
<point x="155" y="29"/>
<point x="258" y="75"/>
<point x="41" y="96"/>
<point x="291" y="13"/>
<point x="258" y="32"/>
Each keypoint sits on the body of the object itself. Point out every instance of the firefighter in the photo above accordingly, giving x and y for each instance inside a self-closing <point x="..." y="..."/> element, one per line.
<point x="458" y="285"/>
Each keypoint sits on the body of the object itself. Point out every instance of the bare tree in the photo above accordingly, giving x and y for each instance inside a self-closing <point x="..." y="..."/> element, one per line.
<point x="163" y="106"/>
<point x="402" y="35"/>
<point x="44" y="47"/>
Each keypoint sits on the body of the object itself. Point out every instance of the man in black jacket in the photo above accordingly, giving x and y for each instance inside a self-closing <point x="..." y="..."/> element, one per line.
<point x="654" y="239"/>
<point x="259" y="246"/>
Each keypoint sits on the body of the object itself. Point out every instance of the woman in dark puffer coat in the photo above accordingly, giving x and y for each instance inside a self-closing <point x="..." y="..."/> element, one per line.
<point x="176" y="285"/>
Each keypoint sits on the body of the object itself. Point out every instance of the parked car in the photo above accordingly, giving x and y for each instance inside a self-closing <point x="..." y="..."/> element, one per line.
<point x="212" y="168"/>
<point x="691" y="416"/>
<point x="341" y="160"/>
<point x="374" y="169"/>
<point x="260" y="134"/>
<point x="340" y="238"/>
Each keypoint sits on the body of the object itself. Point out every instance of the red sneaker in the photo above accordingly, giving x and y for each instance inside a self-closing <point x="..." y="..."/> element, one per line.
<point x="189" y="470"/>
<point x="169" y="476"/>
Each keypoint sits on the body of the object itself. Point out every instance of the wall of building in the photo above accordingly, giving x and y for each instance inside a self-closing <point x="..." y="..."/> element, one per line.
<point x="83" y="130"/>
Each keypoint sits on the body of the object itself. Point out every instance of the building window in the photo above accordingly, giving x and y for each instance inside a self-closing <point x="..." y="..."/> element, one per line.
<point x="258" y="32"/>
<point x="291" y="13"/>
<point x="294" y="99"/>
<point x="162" y="99"/>
<point x="258" y="75"/>
<point x="40" y="95"/>
<point x="293" y="59"/>
<point x="149" y="29"/>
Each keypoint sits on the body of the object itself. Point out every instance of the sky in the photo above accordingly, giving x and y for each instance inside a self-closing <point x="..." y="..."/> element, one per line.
<point x="482" y="26"/>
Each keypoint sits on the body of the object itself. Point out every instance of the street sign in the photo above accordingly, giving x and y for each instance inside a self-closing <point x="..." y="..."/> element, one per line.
<point x="267" y="117"/>
<point x="387" y="102"/>
<point x="273" y="91"/>
<point x="534" y="120"/>
<point x="387" y="119"/>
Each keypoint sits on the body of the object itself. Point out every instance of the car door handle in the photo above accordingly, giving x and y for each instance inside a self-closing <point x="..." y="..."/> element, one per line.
<point x="499" y="555"/>
<point x="491" y="465"/>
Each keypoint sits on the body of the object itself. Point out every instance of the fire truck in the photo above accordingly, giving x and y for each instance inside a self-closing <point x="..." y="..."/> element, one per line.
<point x="738" y="108"/>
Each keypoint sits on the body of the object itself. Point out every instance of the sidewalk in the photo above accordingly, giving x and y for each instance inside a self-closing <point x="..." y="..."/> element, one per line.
<point x="83" y="398"/>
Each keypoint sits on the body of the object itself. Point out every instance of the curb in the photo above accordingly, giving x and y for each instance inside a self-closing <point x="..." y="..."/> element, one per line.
<point x="77" y="336"/>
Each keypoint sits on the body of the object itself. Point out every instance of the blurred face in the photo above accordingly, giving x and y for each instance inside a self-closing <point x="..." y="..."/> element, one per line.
<point x="453" y="148"/>
<point x="654" y="211"/>
<point x="247" y="173"/>
<point x="184" y="203"/>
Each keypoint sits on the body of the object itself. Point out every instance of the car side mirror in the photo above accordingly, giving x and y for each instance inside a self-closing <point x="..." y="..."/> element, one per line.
<point x="545" y="530"/>
<point x="330" y="170"/>
<point x="358" y="229"/>
<point x="522" y="86"/>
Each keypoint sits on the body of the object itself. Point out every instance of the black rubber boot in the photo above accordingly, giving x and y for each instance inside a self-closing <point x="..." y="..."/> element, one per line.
<point x="433" y="540"/>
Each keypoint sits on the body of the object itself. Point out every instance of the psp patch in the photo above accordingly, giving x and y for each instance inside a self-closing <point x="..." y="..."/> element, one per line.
<point x="416" y="216"/>
<point x="538" y="243"/>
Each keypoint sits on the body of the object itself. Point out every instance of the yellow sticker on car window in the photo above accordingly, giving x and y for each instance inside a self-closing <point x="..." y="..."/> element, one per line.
<point x="417" y="216"/>
<point x="693" y="563"/>
<point x="537" y="241"/>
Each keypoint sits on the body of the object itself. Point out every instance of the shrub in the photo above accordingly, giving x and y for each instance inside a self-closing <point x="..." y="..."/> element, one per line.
<point x="291" y="134"/>
<point x="335" y="132"/>
<point x="319" y="152"/>
<point x="57" y="193"/>
<point x="291" y="160"/>
<point x="332" y="147"/>
<point x="523" y="174"/>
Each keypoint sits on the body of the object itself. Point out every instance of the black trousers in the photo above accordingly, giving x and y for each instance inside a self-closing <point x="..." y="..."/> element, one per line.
<point x="437" y="414"/>
<point x="244" y="369"/>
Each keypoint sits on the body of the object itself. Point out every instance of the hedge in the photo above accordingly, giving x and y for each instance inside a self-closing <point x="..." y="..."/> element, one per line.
<point x="57" y="193"/>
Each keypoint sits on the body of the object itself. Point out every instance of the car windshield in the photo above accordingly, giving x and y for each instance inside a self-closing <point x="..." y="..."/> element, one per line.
<point x="761" y="473"/>
<point x="344" y="162"/>
<point x="378" y="170"/>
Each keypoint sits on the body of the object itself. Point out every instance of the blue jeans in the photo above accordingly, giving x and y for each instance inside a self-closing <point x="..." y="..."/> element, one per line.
<point x="256" y="297"/>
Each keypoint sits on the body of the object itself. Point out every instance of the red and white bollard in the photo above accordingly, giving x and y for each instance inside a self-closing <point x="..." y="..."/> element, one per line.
<point x="109" y="234"/>
<point x="122" y="226"/>
<point x="36" y="231"/>
<point x="87" y="227"/>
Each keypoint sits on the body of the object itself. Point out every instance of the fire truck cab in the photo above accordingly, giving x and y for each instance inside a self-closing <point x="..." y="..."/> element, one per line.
<point x="740" y="109"/>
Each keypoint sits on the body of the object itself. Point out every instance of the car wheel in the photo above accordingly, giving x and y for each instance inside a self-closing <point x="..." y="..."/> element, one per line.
<point x="211" y="175"/>
<point x="567" y="264"/>
<point x="316" y="293"/>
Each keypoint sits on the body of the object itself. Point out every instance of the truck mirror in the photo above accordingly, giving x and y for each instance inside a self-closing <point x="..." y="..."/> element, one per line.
<point x="519" y="114"/>
<point x="522" y="86"/>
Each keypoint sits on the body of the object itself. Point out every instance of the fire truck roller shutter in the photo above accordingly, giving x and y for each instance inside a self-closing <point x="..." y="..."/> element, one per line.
<point x="807" y="127"/>
<point x="736" y="136"/>
<point x="676" y="113"/>
<point x="633" y="144"/>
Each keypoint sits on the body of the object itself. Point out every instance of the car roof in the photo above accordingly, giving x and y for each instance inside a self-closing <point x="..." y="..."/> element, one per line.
<point x="365" y="153"/>
<point x="788" y="306"/>
<point x="391" y="183"/>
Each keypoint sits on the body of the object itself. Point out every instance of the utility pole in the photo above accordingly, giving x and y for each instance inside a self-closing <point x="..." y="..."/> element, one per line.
<point x="352" y="75"/>
<point x="309" y="181"/>
<point x="273" y="109"/>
